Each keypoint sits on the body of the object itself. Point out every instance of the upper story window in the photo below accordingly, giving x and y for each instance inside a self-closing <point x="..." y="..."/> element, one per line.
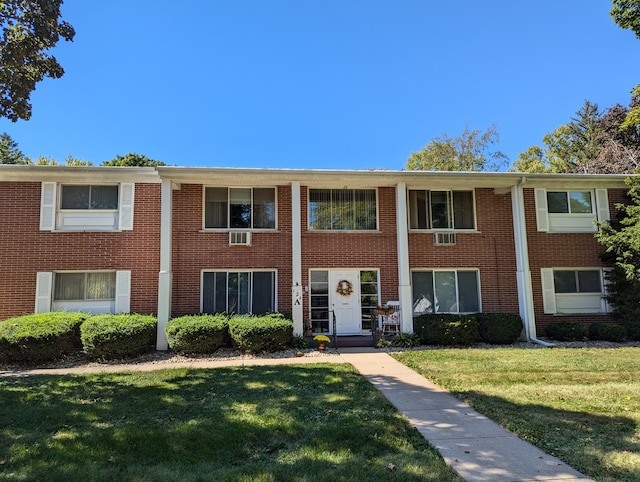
<point x="88" y="197"/>
<point x="239" y="208"/>
<point x="571" y="210"/>
<point x="342" y="209"/>
<point x="86" y="207"/>
<point x="441" y="209"/>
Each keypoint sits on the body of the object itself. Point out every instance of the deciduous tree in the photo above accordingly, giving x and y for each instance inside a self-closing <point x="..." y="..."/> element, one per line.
<point x="133" y="159"/>
<point x="30" y="28"/>
<point x="468" y="152"/>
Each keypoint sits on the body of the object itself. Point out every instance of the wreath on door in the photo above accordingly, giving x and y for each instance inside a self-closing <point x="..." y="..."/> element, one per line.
<point x="345" y="288"/>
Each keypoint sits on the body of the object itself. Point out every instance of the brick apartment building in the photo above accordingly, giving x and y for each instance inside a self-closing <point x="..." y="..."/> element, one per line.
<point x="312" y="243"/>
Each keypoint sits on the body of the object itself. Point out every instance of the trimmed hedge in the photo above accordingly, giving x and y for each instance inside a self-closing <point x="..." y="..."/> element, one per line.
<point x="270" y="332"/>
<point x="118" y="336"/>
<point x="203" y="333"/>
<point x="607" y="332"/>
<point x="499" y="328"/>
<point x="40" y="337"/>
<point x="566" y="331"/>
<point x="633" y="330"/>
<point x="446" y="329"/>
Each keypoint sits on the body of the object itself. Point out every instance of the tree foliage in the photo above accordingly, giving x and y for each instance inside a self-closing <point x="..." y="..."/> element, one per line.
<point x="29" y="29"/>
<point x="626" y="13"/>
<point x="468" y="152"/>
<point x="9" y="151"/>
<point x="133" y="160"/>
<point x="622" y="239"/>
<point x="592" y="142"/>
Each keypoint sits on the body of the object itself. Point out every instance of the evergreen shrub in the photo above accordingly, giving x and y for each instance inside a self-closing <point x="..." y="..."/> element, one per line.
<point x="40" y="337"/>
<point x="204" y="333"/>
<point x="111" y="337"/>
<point x="270" y="332"/>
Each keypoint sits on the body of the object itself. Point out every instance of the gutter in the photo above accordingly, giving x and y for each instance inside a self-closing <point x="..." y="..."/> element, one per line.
<point x="523" y="271"/>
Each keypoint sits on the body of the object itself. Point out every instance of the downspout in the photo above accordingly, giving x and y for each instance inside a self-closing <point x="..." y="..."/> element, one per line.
<point x="523" y="271"/>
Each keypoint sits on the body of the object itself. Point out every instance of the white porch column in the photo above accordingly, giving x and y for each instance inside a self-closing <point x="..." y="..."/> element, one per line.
<point x="166" y="275"/>
<point x="523" y="272"/>
<point x="404" y="275"/>
<point x="297" y="313"/>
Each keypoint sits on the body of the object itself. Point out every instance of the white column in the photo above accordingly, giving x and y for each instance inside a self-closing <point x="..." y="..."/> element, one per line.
<point x="166" y="275"/>
<point x="523" y="272"/>
<point x="404" y="274"/>
<point x="297" y="313"/>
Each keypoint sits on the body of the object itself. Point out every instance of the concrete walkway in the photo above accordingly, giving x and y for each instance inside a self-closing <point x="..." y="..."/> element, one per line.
<point x="474" y="446"/>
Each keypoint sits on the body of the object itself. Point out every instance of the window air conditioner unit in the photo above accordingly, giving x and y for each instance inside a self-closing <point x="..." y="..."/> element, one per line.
<point x="239" y="238"/>
<point x="444" y="239"/>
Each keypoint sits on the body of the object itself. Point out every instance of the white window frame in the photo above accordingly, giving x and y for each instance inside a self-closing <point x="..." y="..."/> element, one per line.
<point x="377" y="207"/>
<point x="228" y="222"/>
<point x="553" y="302"/>
<point x="450" y="206"/>
<point x="433" y="271"/>
<point x="121" y="303"/>
<point x="53" y="218"/>
<point x="251" y="272"/>
<point x="571" y="222"/>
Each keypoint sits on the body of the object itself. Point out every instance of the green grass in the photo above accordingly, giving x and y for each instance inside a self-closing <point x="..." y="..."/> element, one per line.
<point x="285" y="423"/>
<point x="581" y="405"/>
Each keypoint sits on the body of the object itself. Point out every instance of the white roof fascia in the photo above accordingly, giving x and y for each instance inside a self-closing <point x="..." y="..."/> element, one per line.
<point x="85" y="174"/>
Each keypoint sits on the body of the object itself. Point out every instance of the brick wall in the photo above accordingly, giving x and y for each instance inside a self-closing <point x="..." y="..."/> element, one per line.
<point x="571" y="250"/>
<point x="491" y="250"/>
<point x="25" y="249"/>
<point x="195" y="250"/>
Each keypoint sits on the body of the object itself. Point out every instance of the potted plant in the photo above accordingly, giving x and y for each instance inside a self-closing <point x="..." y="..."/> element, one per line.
<point x="322" y="341"/>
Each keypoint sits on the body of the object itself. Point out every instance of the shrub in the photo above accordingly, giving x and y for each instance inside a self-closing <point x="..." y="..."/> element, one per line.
<point x="566" y="331"/>
<point x="607" y="332"/>
<point x="446" y="329"/>
<point x="197" y="333"/>
<point x="40" y="337"/>
<point x="405" y="340"/>
<point x="261" y="333"/>
<point x="499" y="328"/>
<point x="118" y="336"/>
<point x="633" y="330"/>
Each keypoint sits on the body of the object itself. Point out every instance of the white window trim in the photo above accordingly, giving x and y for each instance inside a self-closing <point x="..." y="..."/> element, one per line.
<point x="549" y="296"/>
<point x="227" y="229"/>
<point x="443" y="230"/>
<point x="375" y="230"/>
<point x="50" y="212"/>
<point x="44" y="290"/>
<point x="455" y="270"/>
<point x="601" y="210"/>
<point x="243" y="270"/>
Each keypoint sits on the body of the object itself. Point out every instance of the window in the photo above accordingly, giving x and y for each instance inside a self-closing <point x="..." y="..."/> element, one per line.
<point x="342" y="209"/>
<point x="569" y="202"/>
<point x="84" y="286"/>
<point x="441" y="209"/>
<point x="568" y="290"/>
<point x="86" y="207"/>
<point x="454" y="291"/>
<point x="239" y="208"/>
<point x="241" y="292"/>
<point x="88" y="197"/>
<point x="571" y="210"/>
<point x="89" y="291"/>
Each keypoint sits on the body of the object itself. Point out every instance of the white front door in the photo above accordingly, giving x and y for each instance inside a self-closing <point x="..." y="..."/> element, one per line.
<point x="344" y="289"/>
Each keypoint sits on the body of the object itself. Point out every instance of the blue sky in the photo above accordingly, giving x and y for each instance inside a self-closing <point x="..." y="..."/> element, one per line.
<point x="336" y="84"/>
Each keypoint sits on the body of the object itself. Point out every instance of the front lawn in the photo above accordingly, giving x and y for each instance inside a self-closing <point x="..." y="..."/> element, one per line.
<point x="581" y="405"/>
<point x="296" y="423"/>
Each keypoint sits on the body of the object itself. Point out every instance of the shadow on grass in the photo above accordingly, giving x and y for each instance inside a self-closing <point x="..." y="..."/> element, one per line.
<point x="254" y="423"/>
<point x="587" y="442"/>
